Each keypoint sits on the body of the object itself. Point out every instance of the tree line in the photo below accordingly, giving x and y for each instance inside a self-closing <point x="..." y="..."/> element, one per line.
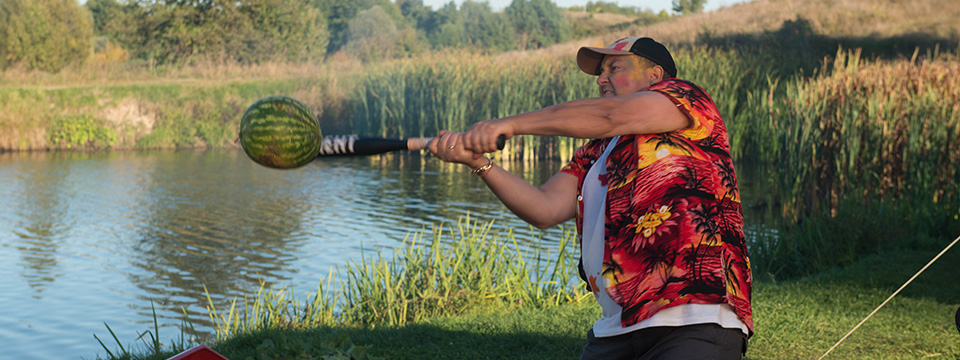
<point x="49" y="35"/>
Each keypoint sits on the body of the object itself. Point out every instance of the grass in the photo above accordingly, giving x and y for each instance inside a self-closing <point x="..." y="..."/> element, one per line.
<point x="461" y="267"/>
<point x="795" y="319"/>
<point x="805" y="317"/>
<point x="861" y="145"/>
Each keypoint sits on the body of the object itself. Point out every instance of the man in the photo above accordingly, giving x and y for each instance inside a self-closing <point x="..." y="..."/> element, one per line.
<point x="659" y="220"/>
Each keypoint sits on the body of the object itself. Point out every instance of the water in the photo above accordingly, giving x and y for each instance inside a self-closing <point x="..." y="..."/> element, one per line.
<point x="88" y="239"/>
<point x="94" y="238"/>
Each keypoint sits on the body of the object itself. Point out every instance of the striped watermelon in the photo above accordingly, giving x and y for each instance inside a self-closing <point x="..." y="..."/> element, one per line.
<point x="280" y="132"/>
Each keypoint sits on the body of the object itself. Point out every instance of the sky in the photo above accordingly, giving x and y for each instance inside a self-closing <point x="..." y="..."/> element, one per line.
<point x="655" y="5"/>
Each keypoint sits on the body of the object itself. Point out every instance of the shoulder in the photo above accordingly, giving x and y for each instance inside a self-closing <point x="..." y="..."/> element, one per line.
<point x="690" y="98"/>
<point x="679" y="88"/>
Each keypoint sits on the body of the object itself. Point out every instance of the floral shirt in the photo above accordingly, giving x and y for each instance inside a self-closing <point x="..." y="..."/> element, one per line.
<point x="673" y="222"/>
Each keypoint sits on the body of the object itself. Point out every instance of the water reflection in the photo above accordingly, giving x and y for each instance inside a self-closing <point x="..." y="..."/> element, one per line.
<point x="34" y="199"/>
<point x="88" y="238"/>
<point x="213" y="225"/>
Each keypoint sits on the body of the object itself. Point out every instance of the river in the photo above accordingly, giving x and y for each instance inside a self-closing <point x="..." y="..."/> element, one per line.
<point x="96" y="239"/>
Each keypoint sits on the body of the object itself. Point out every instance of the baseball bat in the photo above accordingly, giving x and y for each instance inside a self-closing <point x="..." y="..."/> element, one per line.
<point x="282" y="132"/>
<point x="353" y="145"/>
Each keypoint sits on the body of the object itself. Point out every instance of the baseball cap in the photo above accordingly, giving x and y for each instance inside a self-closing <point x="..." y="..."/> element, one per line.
<point x="589" y="58"/>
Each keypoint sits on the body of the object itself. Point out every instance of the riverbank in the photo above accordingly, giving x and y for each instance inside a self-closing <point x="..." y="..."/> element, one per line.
<point x="795" y="319"/>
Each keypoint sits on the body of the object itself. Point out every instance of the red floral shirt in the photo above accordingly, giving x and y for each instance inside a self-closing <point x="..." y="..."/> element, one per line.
<point x="673" y="224"/>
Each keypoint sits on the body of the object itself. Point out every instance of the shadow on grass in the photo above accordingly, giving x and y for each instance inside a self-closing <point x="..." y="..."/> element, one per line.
<point x="408" y="342"/>
<point x="803" y="318"/>
<point x="889" y="270"/>
<point x="797" y="48"/>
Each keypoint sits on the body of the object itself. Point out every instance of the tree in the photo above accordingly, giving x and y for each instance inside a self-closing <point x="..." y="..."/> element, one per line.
<point x="46" y="35"/>
<point x="248" y="31"/>
<point x="485" y="29"/>
<point x="371" y="35"/>
<point x="684" y="7"/>
<point x="538" y="23"/>
<point x="339" y="13"/>
<point x="114" y="22"/>
<point x="180" y="32"/>
<point x="285" y="30"/>
<point x="448" y="27"/>
<point x="102" y="11"/>
<point x="419" y="15"/>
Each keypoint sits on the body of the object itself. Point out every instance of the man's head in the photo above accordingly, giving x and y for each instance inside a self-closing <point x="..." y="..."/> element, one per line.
<point x="628" y="65"/>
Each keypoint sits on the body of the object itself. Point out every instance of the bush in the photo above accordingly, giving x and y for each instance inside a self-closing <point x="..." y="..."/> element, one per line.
<point x="44" y="34"/>
<point x="81" y="131"/>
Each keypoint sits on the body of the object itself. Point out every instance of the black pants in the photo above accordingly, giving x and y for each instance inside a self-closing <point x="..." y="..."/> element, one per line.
<point x="700" y="342"/>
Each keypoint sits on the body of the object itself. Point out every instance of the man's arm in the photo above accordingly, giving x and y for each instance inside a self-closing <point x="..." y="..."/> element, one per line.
<point x="644" y="112"/>
<point x="550" y="204"/>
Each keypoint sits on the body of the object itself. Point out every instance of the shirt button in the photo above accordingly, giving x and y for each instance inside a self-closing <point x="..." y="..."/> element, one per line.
<point x="579" y="197"/>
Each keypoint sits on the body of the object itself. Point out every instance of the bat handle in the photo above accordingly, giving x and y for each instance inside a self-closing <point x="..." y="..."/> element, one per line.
<point x="415" y="144"/>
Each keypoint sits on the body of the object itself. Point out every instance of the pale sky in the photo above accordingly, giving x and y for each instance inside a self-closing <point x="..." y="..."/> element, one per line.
<point x="655" y="5"/>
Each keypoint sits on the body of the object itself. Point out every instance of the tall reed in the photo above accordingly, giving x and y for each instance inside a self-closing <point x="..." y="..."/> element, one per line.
<point x="416" y="98"/>
<point x="456" y="268"/>
<point x="863" y="156"/>
<point x="420" y="98"/>
<point x="867" y="130"/>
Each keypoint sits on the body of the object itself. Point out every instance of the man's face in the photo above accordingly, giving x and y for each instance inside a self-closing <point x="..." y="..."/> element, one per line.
<point x="624" y="74"/>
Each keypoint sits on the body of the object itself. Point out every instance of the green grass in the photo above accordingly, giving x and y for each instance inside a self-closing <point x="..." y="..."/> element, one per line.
<point x="795" y="319"/>
<point x="803" y="318"/>
<point x="459" y="267"/>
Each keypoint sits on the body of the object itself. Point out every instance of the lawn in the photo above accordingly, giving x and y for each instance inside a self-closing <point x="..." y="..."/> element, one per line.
<point x="795" y="319"/>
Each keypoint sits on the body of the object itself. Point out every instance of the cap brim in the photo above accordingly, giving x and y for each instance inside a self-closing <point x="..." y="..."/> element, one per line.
<point x="589" y="58"/>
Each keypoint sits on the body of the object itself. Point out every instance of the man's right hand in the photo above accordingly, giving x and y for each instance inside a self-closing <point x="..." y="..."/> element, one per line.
<point x="482" y="136"/>
<point x="449" y="147"/>
<point x="550" y="204"/>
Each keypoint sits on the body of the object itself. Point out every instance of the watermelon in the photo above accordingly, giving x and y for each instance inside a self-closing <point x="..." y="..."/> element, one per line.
<point x="280" y="132"/>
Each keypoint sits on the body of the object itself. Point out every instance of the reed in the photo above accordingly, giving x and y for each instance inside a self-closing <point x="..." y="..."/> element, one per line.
<point x="866" y="130"/>
<point x="152" y="349"/>
<point x="274" y="308"/>
<point x="453" y="91"/>
<point x="863" y="156"/>
<point x="415" y="98"/>
<point x="456" y="269"/>
<point x="855" y="132"/>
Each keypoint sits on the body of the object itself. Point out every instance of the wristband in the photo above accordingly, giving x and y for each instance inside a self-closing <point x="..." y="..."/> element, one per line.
<point x="482" y="171"/>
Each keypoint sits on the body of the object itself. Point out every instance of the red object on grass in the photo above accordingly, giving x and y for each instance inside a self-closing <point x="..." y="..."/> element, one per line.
<point x="199" y="352"/>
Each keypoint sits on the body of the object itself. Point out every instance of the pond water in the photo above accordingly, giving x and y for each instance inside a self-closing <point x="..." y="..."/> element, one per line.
<point x="88" y="239"/>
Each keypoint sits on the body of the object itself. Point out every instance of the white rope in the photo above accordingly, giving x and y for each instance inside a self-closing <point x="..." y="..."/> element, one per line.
<point x="891" y="297"/>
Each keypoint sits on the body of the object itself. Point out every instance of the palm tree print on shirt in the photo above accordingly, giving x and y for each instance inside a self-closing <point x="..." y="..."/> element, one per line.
<point x="673" y="227"/>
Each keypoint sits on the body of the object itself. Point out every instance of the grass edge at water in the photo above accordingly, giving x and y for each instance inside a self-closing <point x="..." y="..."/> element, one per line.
<point x="799" y="318"/>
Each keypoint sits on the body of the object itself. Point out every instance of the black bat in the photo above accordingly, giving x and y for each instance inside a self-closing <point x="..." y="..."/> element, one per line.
<point x="353" y="145"/>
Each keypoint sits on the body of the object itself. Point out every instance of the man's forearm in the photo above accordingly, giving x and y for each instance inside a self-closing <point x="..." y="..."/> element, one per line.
<point x="645" y="112"/>
<point x="543" y="207"/>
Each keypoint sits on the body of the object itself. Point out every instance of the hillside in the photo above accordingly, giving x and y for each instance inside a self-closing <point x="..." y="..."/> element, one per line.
<point x="876" y="19"/>
<point x="902" y="25"/>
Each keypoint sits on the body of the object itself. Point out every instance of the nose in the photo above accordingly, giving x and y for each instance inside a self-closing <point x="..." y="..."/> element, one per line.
<point x="603" y="78"/>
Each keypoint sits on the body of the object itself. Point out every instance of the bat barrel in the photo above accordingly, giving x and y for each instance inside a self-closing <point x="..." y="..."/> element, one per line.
<point x="353" y="145"/>
<point x="347" y="145"/>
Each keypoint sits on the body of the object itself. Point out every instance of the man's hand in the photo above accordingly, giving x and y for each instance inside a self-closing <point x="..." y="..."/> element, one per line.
<point x="449" y="147"/>
<point x="482" y="137"/>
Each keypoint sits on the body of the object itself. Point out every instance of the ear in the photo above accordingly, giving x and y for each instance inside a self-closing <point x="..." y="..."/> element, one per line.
<point x="657" y="74"/>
